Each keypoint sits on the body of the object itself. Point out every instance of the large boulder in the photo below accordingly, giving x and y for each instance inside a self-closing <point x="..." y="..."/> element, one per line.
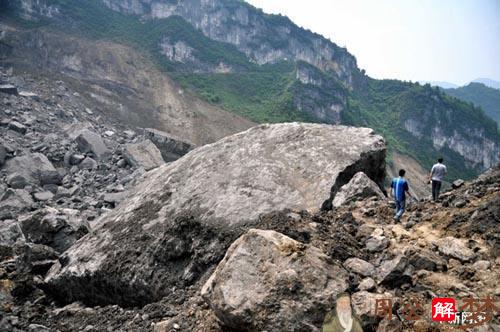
<point x="268" y="281"/>
<point x="13" y="202"/>
<point x="34" y="168"/>
<point x="58" y="229"/>
<point x="89" y="141"/>
<point x="144" y="154"/>
<point x="171" y="147"/>
<point x="181" y="217"/>
<point x="358" y="188"/>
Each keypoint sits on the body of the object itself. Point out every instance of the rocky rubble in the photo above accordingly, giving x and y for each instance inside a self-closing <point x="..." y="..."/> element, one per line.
<point x="178" y="255"/>
<point x="410" y="267"/>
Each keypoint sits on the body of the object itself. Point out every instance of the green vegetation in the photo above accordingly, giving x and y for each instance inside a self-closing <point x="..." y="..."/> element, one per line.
<point x="480" y="95"/>
<point x="386" y="105"/>
<point x="270" y="93"/>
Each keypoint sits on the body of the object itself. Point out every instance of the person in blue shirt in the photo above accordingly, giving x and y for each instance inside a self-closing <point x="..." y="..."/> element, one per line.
<point x="399" y="190"/>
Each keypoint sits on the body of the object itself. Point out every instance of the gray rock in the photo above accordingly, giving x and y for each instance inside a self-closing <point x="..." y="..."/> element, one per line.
<point x="457" y="183"/>
<point x="171" y="147"/>
<point x="359" y="266"/>
<point x="10" y="232"/>
<point x="358" y="188"/>
<point x="13" y="202"/>
<point x="376" y="243"/>
<point x="289" y="294"/>
<point x="50" y="177"/>
<point x="18" y="127"/>
<point x="455" y="248"/>
<point x="32" y="166"/>
<point x="395" y="272"/>
<point x="76" y="159"/>
<point x="89" y="141"/>
<point x="3" y="154"/>
<point x="17" y="180"/>
<point x="29" y="95"/>
<point x="114" y="198"/>
<point x="9" y="89"/>
<point x="58" y="229"/>
<point x="219" y="190"/>
<point x="144" y="154"/>
<point x="481" y="265"/>
<point x="43" y="196"/>
<point x="367" y="284"/>
<point x="423" y="259"/>
<point x="88" y="163"/>
<point x="460" y="203"/>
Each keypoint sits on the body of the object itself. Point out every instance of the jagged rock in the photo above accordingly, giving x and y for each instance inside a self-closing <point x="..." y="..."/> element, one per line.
<point x="89" y="141"/>
<point x="55" y="228"/>
<point x="423" y="259"/>
<point x="88" y="163"/>
<point x="359" y="266"/>
<point x="50" y="177"/>
<point x="32" y="166"/>
<point x="367" y="284"/>
<point x="17" y="180"/>
<point x="457" y="183"/>
<point x="18" y="127"/>
<point x="9" y="89"/>
<point x="35" y="258"/>
<point x="376" y="243"/>
<point x="76" y="159"/>
<point x="359" y="187"/>
<point x="30" y="95"/>
<point x="395" y="272"/>
<point x="10" y="232"/>
<point x="219" y="190"/>
<point x="293" y="285"/>
<point x="455" y="248"/>
<point x="460" y="203"/>
<point x="43" y="196"/>
<point x="481" y="265"/>
<point x="171" y="147"/>
<point x="114" y="198"/>
<point x="3" y="155"/>
<point x="14" y="201"/>
<point x="144" y="154"/>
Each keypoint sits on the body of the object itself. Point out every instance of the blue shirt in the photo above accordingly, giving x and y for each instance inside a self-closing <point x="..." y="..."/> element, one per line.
<point x="400" y="187"/>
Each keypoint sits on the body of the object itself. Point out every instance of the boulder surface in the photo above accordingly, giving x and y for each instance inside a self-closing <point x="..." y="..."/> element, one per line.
<point x="181" y="218"/>
<point x="144" y="154"/>
<point x="268" y="281"/>
<point x="358" y="188"/>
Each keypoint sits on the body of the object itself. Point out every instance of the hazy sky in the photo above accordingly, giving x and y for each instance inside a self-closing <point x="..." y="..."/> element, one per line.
<point x="418" y="40"/>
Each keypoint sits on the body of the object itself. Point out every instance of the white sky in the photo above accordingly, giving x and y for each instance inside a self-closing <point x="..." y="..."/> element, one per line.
<point x="418" y="40"/>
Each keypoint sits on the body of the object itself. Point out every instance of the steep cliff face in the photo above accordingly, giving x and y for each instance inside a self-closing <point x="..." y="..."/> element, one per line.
<point x="263" y="38"/>
<point x="264" y="68"/>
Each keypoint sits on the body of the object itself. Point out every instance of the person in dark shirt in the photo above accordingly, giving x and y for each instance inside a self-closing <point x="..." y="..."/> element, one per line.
<point x="399" y="190"/>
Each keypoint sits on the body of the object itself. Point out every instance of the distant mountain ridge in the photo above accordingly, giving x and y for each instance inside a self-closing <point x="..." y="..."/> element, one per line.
<point x="448" y="85"/>
<point x="480" y="95"/>
<point x="265" y="68"/>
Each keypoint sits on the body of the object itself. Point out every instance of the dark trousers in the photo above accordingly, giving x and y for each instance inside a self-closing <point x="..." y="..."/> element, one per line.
<point x="436" y="187"/>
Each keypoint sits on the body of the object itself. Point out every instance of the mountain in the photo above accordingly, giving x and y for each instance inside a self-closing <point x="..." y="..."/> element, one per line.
<point x="227" y="56"/>
<point x="488" y="82"/>
<point x="441" y="84"/>
<point x="480" y="95"/>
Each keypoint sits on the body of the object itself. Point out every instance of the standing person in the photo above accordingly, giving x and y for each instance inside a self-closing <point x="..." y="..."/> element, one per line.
<point x="436" y="177"/>
<point x="399" y="190"/>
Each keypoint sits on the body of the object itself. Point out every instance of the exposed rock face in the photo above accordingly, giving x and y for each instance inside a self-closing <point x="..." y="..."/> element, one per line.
<point x="89" y="141"/>
<point x="32" y="166"/>
<point x="225" y="186"/>
<point x="267" y="281"/>
<point x="171" y="148"/>
<point x="359" y="187"/>
<point x="144" y="154"/>
<point x="231" y="24"/>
